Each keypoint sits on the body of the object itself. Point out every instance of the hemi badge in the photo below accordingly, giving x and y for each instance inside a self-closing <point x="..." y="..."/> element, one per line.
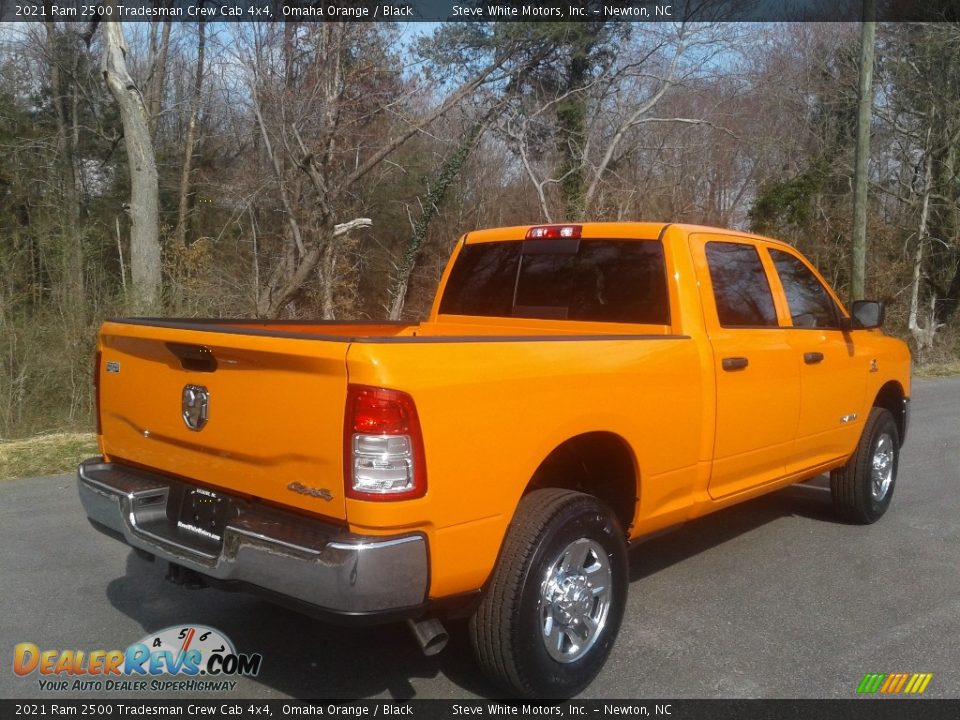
<point x="113" y="366"/>
<point x="848" y="418"/>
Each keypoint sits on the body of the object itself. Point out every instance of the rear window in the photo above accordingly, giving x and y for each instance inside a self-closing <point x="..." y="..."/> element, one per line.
<point x="591" y="280"/>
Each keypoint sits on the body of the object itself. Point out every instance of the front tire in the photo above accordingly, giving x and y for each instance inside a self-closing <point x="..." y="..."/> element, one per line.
<point x="556" y="598"/>
<point x="862" y="489"/>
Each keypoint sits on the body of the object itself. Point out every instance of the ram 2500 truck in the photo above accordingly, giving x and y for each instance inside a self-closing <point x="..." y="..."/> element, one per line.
<point x="575" y="389"/>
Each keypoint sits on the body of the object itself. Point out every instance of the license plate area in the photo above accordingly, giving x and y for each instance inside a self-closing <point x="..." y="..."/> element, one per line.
<point x="203" y="515"/>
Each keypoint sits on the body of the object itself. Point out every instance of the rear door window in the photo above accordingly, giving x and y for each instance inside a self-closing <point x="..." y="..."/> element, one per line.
<point x="740" y="286"/>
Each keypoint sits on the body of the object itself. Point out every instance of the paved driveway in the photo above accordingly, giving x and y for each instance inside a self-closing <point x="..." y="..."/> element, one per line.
<point x="769" y="599"/>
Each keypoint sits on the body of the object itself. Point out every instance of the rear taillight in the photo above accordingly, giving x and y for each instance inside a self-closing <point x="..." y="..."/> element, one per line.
<point x="383" y="455"/>
<point x="96" y="391"/>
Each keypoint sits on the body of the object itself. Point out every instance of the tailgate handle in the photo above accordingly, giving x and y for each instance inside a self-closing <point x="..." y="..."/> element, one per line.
<point x="198" y="358"/>
<point x="735" y="363"/>
<point x="812" y="358"/>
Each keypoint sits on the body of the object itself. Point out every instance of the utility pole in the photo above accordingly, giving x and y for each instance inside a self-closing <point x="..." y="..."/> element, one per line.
<point x="862" y="165"/>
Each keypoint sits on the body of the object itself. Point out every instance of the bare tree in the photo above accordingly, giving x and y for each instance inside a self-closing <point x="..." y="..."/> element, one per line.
<point x="607" y="104"/>
<point x="429" y="207"/>
<point x="65" y="96"/>
<point x="304" y="129"/>
<point x="145" y="262"/>
<point x="156" y="81"/>
<point x="923" y="335"/>
<point x="183" y="203"/>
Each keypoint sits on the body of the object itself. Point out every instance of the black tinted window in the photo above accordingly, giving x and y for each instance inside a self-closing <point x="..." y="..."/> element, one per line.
<point x="740" y="286"/>
<point x="810" y="304"/>
<point x="592" y="280"/>
<point x="483" y="280"/>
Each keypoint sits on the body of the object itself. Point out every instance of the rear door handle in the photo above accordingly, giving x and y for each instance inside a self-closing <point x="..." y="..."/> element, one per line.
<point x="812" y="358"/>
<point x="735" y="363"/>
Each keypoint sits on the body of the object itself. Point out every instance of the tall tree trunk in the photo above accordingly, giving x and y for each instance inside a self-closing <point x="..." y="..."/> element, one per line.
<point x="158" y="73"/>
<point x="572" y="124"/>
<point x="923" y="336"/>
<point x="327" y="274"/>
<point x="64" y="103"/>
<point x="184" y="199"/>
<point x="945" y="223"/>
<point x="445" y="177"/>
<point x="144" y="216"/>
<point x="862" y="166"/>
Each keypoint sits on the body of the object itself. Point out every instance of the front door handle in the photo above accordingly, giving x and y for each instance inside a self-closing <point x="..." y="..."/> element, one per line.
<point x="735" y="363"/>
<point x="812" y="358"/>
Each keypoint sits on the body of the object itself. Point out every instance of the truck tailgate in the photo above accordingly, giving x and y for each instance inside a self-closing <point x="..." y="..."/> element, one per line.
<point x="274" y="410"/>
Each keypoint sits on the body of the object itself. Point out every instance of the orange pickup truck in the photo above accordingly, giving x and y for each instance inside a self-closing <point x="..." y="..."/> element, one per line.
<point x="575" y="389"/>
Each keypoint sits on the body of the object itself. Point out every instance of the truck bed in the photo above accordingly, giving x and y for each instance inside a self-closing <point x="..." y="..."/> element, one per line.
<point x="276" y="391"/>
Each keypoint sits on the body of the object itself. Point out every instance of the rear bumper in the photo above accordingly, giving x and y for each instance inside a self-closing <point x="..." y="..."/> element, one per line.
<point x="280" y="552"/>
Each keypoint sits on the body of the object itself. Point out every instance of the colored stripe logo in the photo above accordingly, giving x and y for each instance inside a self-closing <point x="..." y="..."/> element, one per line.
<point x="894" y="683"/>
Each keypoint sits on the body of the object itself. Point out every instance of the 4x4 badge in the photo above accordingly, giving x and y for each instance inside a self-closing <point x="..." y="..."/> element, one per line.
<point x="321" y="493"/>
<point x="196" y="406"/>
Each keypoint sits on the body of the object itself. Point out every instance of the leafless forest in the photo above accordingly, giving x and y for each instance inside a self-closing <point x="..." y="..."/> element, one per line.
<point x="324" y="170"/>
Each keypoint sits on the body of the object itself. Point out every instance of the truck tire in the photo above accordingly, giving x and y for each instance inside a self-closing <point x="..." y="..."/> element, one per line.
<point x="862" y="488"/>
<point x="555" y="600"/>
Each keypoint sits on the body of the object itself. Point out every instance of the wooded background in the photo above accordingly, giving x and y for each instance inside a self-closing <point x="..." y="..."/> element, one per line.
<point x="304" y="170"/>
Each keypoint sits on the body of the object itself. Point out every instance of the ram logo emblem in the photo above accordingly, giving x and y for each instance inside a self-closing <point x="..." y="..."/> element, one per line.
<point x="196" y="406"/>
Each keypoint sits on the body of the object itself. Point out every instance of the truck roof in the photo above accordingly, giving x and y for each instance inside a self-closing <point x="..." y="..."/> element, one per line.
<point x="612" y="230"/>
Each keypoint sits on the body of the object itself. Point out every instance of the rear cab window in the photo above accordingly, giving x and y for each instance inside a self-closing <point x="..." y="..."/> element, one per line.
<point x="591" y="280"/>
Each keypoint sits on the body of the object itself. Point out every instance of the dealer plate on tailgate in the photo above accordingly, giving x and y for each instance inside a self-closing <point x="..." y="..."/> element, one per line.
<point x="204" y="513"/>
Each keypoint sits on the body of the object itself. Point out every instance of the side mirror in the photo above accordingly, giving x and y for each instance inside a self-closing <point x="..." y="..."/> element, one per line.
<point x="868" y="314"/>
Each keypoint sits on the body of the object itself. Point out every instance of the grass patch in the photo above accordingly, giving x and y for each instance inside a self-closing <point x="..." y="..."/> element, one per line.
<point x="935" y="370"/>
<point x="45" y="454"/>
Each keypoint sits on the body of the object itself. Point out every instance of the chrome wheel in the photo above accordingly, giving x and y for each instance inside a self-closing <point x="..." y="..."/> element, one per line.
<point x="881" y="471"/>
<point x="575" y="600"/>
<point x="862" y="489"/>
<point x="554" y="604"/>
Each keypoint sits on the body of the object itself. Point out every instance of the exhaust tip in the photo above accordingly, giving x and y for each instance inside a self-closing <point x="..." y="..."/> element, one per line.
<point x="430" y="635"/>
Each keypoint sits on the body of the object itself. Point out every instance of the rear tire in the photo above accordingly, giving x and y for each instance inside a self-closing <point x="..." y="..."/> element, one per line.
<point x="862" y="489"/>
<point x="556" y="598"/>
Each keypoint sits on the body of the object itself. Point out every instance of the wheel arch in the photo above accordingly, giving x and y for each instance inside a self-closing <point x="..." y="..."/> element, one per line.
<point x="891" y="397"/>
<point x="599" y="463"/>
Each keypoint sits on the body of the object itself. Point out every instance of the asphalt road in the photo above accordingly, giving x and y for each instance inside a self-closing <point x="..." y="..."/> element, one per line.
<point x="771" y="599"/>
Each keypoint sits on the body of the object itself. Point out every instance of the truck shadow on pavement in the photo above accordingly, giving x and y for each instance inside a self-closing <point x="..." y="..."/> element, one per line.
<point x="302" y="657"/>
<point x="809" y="500"/>
<point x="306" y="658"/>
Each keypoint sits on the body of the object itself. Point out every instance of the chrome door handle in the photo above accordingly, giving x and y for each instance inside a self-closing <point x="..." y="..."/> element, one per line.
<point x="812" y="358"/>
